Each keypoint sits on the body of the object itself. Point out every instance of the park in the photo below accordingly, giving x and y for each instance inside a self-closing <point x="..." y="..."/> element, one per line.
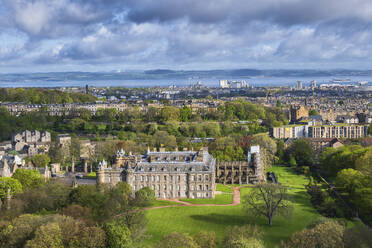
<point x="219" y="213"/>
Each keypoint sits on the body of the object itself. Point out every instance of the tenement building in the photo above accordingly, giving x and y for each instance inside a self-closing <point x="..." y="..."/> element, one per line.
<point x="242" y="172"/>
<point x="175" y="174"/>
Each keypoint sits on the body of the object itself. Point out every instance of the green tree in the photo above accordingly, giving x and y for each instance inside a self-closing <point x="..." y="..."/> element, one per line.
<point x="177" y="240"/>
<point x="268" y="200"/>
<point x="358" y="236"/>
<point x="46" y="236"/>
<point x="247" y="243"/>
<point x="40" y="160"/>
<point x="117" y="235"/>
<point x="302" y="152"/>
<point x="206" y="239"/>
<point x="350" y="180"/>
<point x="313" y="112"/>
<point x="144" y="197"/>
<point x="169" y="113"/>
<point x="328" y="234"/>
<point x="185" y="114"/>
<point x="8" y="183"/>
<point x="29" y="178"/>
<point x="243" y="236"/>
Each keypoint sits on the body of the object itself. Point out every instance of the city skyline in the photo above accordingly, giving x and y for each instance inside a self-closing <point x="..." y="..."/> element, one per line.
<point x="98" y="35"/>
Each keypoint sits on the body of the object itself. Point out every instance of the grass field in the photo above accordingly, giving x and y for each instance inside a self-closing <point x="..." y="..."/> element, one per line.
<point x="196" y="218"/>
<point x="163" y="203"/>
<point x="224" y="198"/>
<point x="224" y="188"/>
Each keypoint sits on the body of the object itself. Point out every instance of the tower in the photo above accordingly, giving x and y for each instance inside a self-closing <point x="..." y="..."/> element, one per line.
<point x="299" y="85"/>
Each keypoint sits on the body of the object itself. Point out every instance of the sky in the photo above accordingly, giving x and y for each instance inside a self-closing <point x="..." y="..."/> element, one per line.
<point x="110" y="35"/>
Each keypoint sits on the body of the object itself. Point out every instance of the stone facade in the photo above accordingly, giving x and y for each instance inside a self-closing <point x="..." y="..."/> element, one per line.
<point x="242" y="172"/>
<point x="297" y="112"/>
<point x="31" y="142"/>
<point x="176" y="174"/>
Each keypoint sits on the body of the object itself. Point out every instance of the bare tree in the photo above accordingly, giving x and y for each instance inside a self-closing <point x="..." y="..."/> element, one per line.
<point x="268" y="200"/>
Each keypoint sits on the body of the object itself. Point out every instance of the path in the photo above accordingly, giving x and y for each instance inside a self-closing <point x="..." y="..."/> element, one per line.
<point x="236" y="201"/>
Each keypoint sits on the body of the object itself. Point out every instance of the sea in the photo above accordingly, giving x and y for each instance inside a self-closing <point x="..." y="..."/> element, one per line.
<point x="210" y="82"/>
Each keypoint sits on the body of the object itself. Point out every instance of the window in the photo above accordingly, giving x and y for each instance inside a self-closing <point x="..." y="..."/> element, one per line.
<point x="200" y="177"/>
<point x="178" y="187"/>
<point x="153" y="178"/>
<point x="200" y="187"/>
<point x="158" y="186"/>
<point x="142" y="186"/>
<point x="192" y="178"/>
<point x="165" y="178"/>
<point x="179" y="178"/>
<point x="206" y="187"/>
<point x="206" y="178"/>
<point x="171" y="187"/>
<point x="153" y="187"/>
<point x="135" y="178"/>
<point x="165" y="187"/>
<point x="158" y="178"/>
<point x="147" y="178"/>
<point x="134" y="187"/>
<point x="192" y="187"/>
<point x="141" y="178"/>
<point x="171" y="178"/>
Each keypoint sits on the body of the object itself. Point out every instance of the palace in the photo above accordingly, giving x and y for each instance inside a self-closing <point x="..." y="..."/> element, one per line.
<point x="242" y="172"/>
<point x="175" y="174"/>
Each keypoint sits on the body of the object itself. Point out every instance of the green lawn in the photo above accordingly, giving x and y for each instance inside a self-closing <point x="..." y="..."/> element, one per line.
<point x="194" y="219"/>
<point x="224" y="188"/>
<point x="224" y="198"/>
<point x="157" y="203"/>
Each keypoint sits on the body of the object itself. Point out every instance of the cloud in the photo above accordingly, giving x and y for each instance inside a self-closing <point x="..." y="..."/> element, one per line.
<point x="188" y="33"/>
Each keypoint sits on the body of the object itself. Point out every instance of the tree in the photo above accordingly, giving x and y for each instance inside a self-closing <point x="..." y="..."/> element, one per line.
<point x="268" y="200"/>
<point x="46" y="236"/>
<point x="169" y="113"/>
<point x="327" y="234"/>
<point x="247" y="243"/>
<point x="350" y="180"/>
<point x="358" y="236"/>
<point x="8" y="183"/>
<point x="79" y="213"/>
<point x="50" y="196"/>
<point x="364" y="162"/>
<point x="302" y="152"/>
<point x="144" y="197"/>
<point x="243" y="236"/>
<point x="177" y="240"/>
<point x="40" y="160"/>
<point x="333" y="160"/>
<point x="117" y="235"/>
<point x="51" y="230"/>
<point x="313" y="112"/>
<point x="185" y="113"/>
<point x="29" y="178"/>
<point x="206" y="239"/>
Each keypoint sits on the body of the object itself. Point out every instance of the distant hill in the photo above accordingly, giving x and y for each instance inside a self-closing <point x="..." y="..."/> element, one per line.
<point x="178" y="74"/>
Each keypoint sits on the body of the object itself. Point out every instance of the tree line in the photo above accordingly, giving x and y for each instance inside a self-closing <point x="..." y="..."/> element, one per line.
<point x="43" y="96"/>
